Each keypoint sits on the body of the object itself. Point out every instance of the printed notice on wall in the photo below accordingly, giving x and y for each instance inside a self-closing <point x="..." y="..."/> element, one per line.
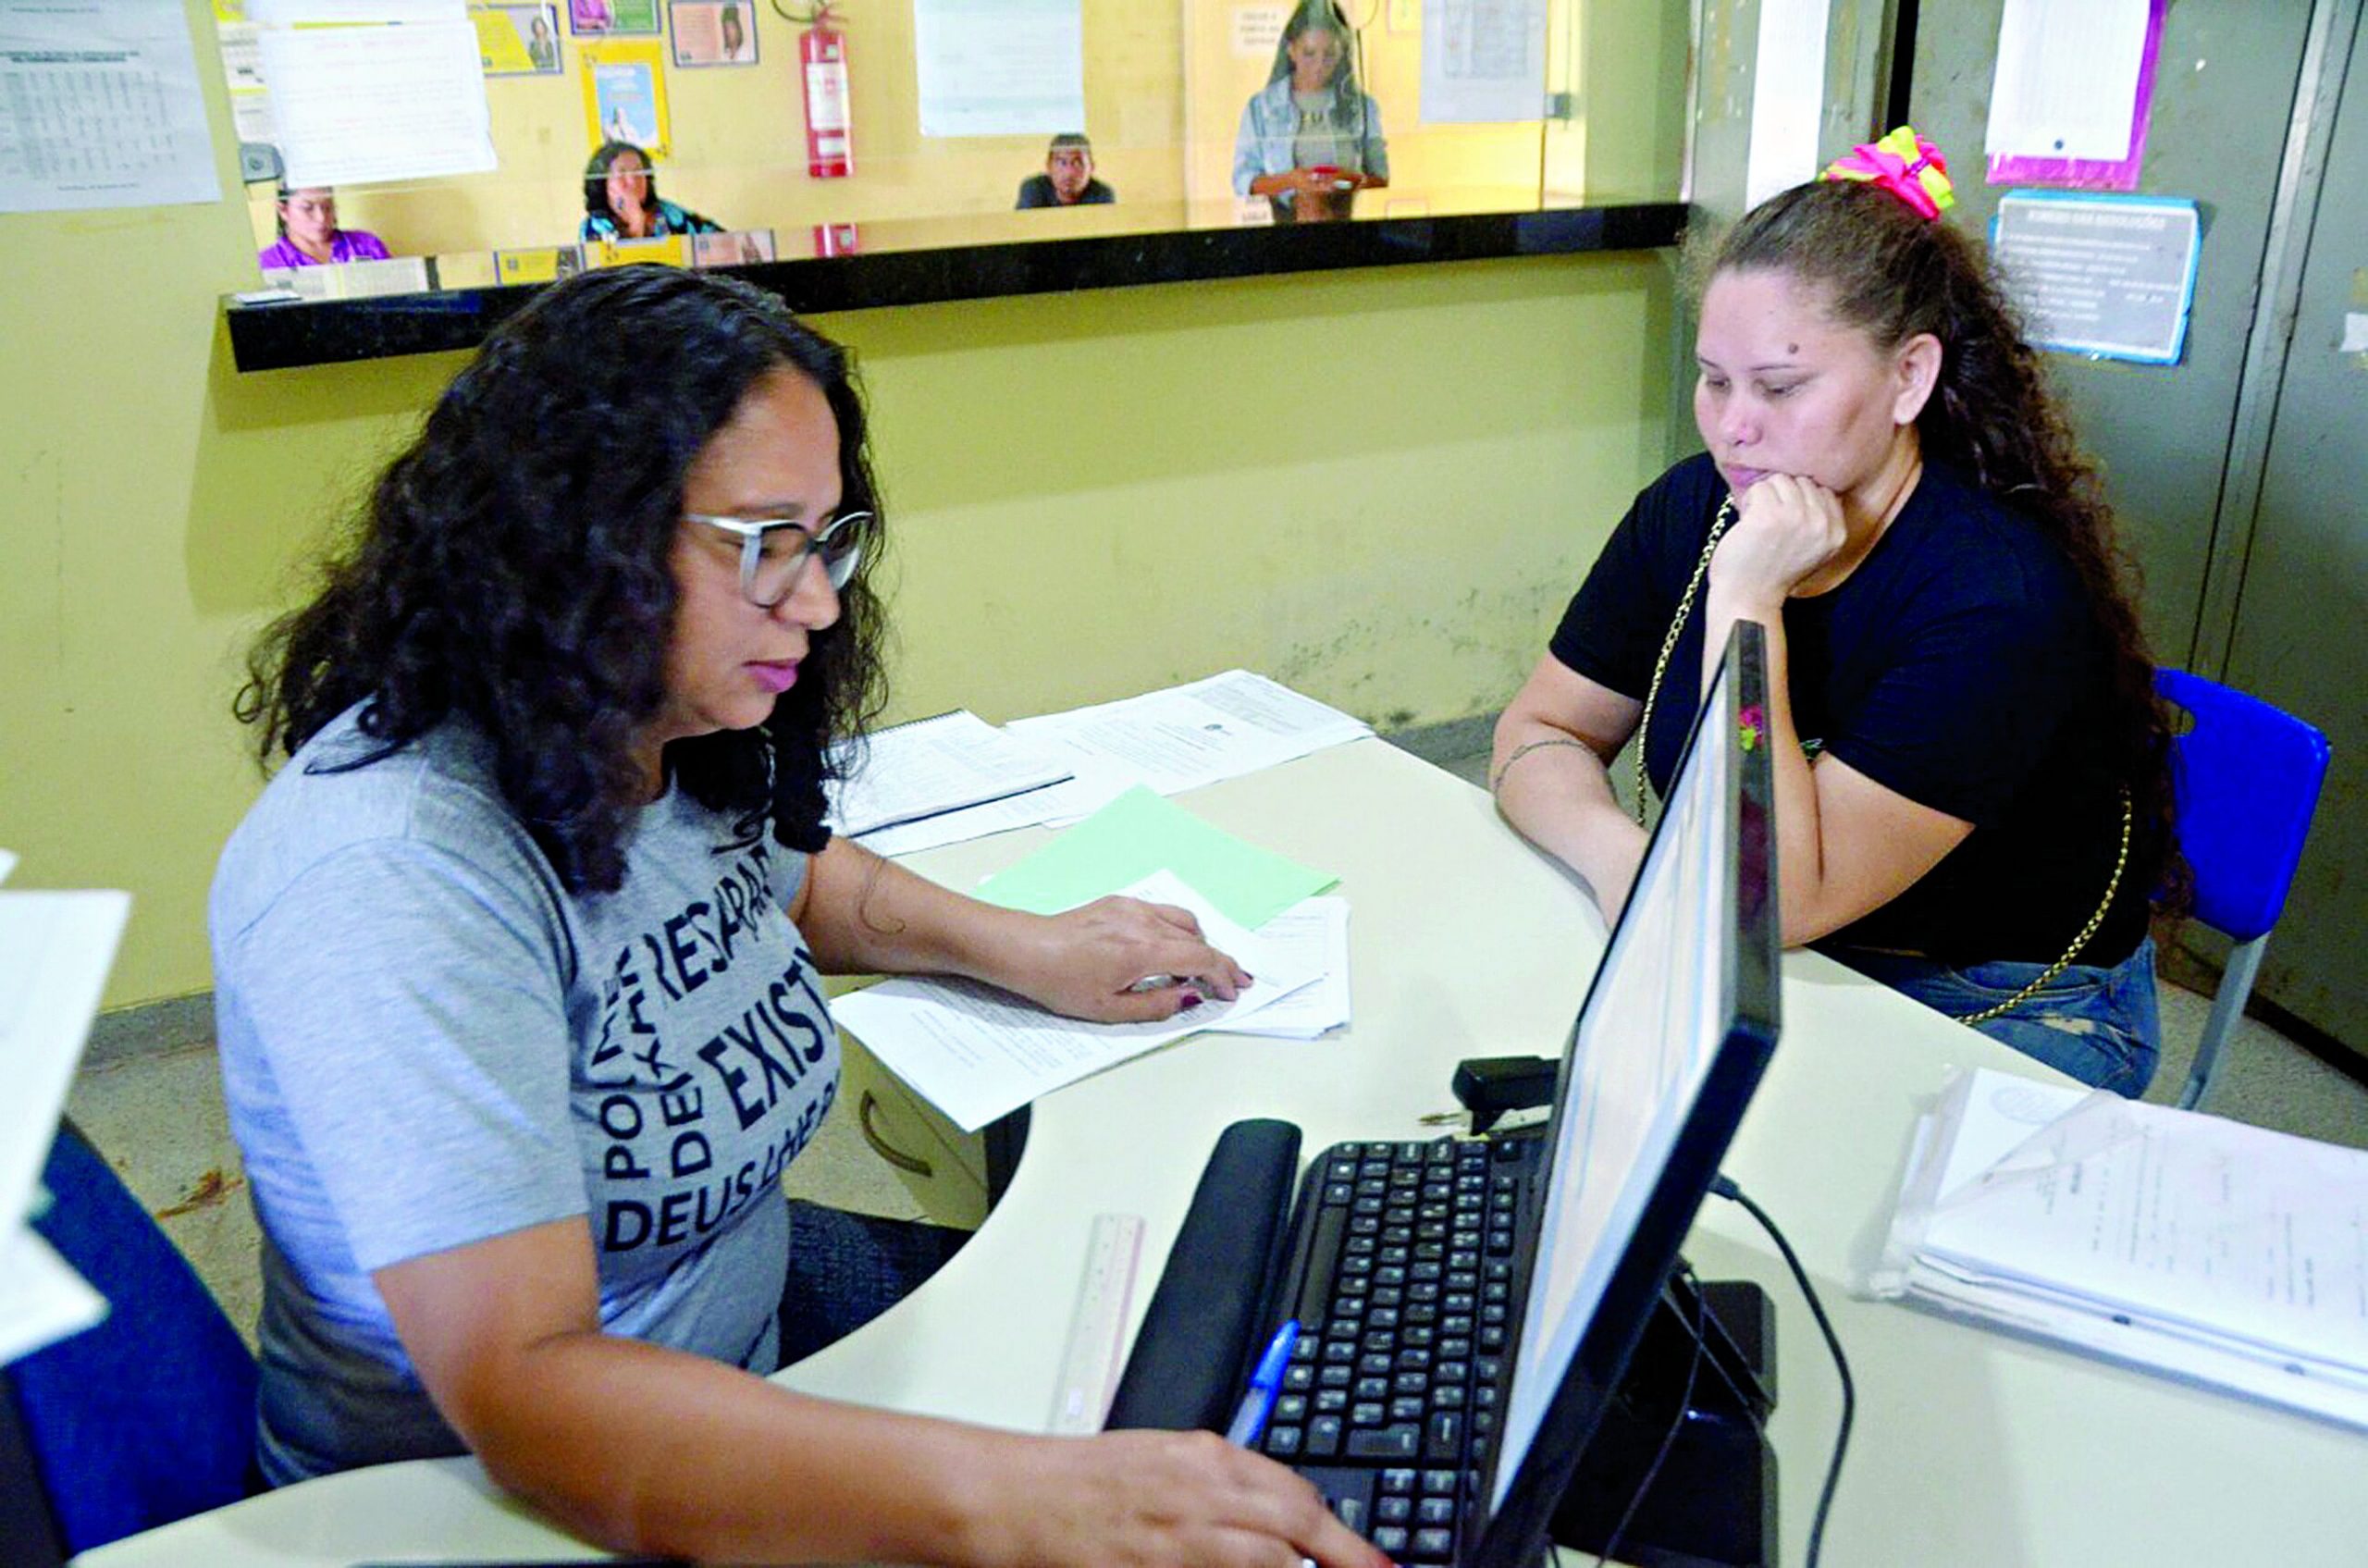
<point x="103" y="107"/>
<point x="2110" y="275"/>
<point x="1000" y="68"/>
<point x="1484" y="61"/>
<point x="402" y="101"/>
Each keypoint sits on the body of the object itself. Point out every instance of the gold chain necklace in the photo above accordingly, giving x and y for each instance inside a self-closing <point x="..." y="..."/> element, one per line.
<point x="1643" y="730"/>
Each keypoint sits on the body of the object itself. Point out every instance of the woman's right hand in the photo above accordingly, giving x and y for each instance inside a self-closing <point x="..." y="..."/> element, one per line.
<point x="1152" y="1499"/>
<point x="1786" y="527"/>
<point x="1323" y="181"/>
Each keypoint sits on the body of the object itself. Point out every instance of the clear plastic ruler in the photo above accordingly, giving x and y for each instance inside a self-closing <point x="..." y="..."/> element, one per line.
<point x="1098" y="1323"/>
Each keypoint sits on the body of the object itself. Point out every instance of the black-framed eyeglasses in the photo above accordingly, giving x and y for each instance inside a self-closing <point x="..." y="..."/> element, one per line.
<point x="774" y="550"/>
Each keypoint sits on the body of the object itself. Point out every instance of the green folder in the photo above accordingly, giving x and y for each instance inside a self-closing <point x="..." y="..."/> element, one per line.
<point x="1140" y="832"/>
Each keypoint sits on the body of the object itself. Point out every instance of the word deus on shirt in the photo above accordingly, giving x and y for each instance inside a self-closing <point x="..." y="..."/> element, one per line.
<point x="663" y="1114"/>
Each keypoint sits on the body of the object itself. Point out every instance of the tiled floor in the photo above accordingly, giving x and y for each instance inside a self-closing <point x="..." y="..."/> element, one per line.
<point x="159" y="1117"/>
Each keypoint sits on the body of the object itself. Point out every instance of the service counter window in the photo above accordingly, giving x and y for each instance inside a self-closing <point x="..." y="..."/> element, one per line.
<point x="408" y="149"/>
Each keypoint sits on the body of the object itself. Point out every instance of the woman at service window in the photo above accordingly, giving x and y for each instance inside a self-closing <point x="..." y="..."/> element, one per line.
<point x="309" y="235"/>
<point x="517" y="975"/>
<point x="1311" y="137"/>
<point x="621" y="200"/>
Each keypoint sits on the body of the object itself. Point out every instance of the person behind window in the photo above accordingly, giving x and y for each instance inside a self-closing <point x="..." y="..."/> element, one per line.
<point x="621" y="200"/>
<point x="1067" y="180"/>
<point x="309" y="235"/>
<point x="1972" y="771"/>
<point x="1311" y="137"/>
<point x="518" y="964"/>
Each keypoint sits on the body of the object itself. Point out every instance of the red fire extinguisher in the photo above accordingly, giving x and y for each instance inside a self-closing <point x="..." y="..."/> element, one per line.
<point x="829" y="137"/>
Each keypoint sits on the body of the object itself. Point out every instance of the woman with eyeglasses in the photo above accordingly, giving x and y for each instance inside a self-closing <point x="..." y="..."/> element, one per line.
<point x="518" y="972"/>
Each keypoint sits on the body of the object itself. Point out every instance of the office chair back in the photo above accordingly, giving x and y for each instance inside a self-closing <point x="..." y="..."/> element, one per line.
<point x="2246" y="781"/>
<point x="151" y="1415"/>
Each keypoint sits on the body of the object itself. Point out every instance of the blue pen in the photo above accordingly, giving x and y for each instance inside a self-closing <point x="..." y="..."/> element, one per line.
<point x="1249" y="1416"/>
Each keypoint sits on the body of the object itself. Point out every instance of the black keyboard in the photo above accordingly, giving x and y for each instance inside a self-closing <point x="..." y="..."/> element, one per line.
<point x="1405" y="1277"/>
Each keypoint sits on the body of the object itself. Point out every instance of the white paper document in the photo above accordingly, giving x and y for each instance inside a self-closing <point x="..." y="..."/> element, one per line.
<point x="934" y="766"/>
<point x="1311" y="935"/>
<point x="42" y="1299"/>
<point x="2217" y="1252"/>
<point x="358" y="104"/>
<point x="1483" y="61"/>
<point x="2065" y="84"/>
<point x="999" y="67"/>
<point x="102" y="106"/>
<point x="976" y="1053"/>
<point x="1197" y="734"/>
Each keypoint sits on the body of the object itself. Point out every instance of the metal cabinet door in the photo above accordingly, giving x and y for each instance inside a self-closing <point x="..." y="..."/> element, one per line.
<point x="2224" y="84"/>
<point x="2300" y="635"/>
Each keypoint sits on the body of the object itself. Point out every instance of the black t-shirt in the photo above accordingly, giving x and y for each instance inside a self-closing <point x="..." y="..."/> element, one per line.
<point x="1957" y="665"/>
<point x="1036" y="190"/>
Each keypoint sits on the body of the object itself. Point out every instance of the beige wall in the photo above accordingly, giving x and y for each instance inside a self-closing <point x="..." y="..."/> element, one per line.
<point x="1379" y="487"/>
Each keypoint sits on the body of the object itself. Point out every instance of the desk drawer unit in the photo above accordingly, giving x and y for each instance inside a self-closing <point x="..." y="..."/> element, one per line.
<point x="944" y="1168"/>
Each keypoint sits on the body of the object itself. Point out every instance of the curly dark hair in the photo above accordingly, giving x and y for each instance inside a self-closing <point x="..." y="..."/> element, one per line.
<point x="511" y="569"/>
<point x="1893" y="274"/>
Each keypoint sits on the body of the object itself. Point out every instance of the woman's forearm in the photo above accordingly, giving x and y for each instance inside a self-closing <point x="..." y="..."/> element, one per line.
<point x="1556" y="792"/>
<point x="648" y="1450"/>
<point x="866" y="915"/>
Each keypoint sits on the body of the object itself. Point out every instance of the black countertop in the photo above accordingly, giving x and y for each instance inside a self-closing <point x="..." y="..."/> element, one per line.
<point x="278" y="336"/>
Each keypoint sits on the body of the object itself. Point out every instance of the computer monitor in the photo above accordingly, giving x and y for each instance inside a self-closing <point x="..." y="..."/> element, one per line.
<point x="1676" y="1029"/>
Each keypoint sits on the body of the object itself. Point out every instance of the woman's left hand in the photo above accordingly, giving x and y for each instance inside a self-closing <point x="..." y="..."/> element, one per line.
<point x="1086" y="962"/>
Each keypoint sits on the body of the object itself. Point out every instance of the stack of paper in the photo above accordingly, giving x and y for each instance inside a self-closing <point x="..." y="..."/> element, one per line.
<point x="1164" y="741"/>
<point x="1197" y="734"/>
<point x="2179" y="1243"/>
<point x="54" y="951"/>
<point x="911" y="772"/>
<point x="1311" y="936"/>
<point x="978" y="1054"/>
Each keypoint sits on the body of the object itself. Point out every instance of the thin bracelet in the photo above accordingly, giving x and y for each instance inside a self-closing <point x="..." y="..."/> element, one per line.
<point x="1524" y="749"/>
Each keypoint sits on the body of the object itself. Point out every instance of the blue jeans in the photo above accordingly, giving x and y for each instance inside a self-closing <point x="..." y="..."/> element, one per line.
<point x="2097" y="1025"/>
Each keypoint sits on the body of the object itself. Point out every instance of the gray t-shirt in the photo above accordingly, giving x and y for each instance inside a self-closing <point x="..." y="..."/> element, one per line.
<point x="426" y="1041"/>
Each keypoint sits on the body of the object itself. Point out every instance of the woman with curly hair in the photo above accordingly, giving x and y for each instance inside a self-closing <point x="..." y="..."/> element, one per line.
<point x="1971" y="769"/>
<point x="621" y="200"/>
<point x="518" y="961"/>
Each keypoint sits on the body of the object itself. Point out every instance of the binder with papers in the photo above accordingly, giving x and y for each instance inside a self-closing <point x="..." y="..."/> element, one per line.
<point x="911" y="772"/>
<point x="2186" y="1244"/>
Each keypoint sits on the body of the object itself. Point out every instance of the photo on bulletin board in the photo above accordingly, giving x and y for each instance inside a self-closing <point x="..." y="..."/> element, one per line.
<point x="714" y="32"/>
<point x="739" y="248"/>
<point x="624" y="94"/>
<point x="597" y="18"/>
<point x="517" y="40"/>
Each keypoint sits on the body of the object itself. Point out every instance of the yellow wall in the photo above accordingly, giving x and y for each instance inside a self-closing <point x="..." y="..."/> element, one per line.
<point x="1093" y="494"/>
<point x="739" y="141"/>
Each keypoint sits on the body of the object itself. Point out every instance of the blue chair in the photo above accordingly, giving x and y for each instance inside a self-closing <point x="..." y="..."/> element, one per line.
<point x="2245" y="778"/>
<point x="150" y="1416"/>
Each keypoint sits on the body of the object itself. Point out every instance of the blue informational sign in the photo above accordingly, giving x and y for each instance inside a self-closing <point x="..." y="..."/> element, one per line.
<point x="2112" y="277"/>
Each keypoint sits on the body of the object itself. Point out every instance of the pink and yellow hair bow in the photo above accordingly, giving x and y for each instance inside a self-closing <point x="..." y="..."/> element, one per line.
<point x="1904" y="164"/>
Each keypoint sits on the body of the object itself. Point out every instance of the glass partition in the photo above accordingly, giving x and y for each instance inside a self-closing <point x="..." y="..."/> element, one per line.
<point x="743" y="132"/>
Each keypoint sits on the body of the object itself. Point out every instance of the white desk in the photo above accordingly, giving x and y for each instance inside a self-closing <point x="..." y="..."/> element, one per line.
<point x="1970" y="1447"/>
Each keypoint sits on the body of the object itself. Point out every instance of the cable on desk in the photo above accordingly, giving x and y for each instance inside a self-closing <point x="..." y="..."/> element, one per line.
<point x="1676" y="1424"/>
<point x="1725" y="1188"/>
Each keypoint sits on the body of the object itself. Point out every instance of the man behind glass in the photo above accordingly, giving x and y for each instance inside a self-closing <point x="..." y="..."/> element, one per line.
<point x="1067" y="180"/>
